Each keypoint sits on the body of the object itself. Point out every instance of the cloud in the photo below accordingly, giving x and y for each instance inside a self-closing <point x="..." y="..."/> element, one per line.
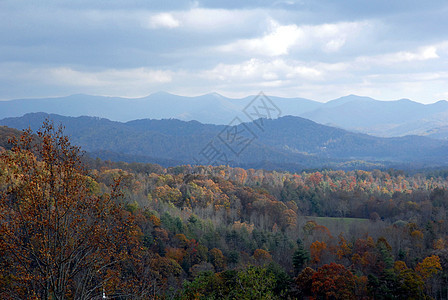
<point x="424" y="53"/>
<point x="319" y="49"/>
<point x="163" y="20"/>
<point x="277" y="42"/>
<point x="282" y="39"/>
<point x="256" y="70"/>
<point x="65" y="75"/>
<point x="204" y="20"/>
<point x="126" y="82"/>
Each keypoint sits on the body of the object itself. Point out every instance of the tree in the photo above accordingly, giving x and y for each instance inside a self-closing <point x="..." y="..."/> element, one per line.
<point x="254" y="283"/>
<point x="411" y="285"/>
<point x="57" y="239"/>
<point x="344" y="248"/>
<point x="300" y="257"/>
<point x="304" y="281"/>
<point x="316" y="249"/>
<point x="217" y="259"/>
<point x="429" y="267"/>
<point x="262" y="256"/>
<point x="206" y="285"/>
<point x="333" y="281"/>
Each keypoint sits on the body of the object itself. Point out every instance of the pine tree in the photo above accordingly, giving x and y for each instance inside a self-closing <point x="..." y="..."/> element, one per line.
<point x="300" y="257"/>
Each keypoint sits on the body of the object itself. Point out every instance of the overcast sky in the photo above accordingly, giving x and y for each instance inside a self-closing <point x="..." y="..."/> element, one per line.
<point x="316" y="49"/>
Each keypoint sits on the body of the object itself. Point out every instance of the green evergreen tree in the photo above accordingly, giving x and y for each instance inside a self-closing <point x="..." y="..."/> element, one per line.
<point x="300" y="257"/>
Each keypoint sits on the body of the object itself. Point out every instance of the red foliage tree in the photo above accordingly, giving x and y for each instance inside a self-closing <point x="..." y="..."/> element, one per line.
<point x="333" y="281"/>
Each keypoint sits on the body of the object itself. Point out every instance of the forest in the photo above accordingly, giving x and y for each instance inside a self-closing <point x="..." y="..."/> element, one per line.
<point x="74" y="227"/>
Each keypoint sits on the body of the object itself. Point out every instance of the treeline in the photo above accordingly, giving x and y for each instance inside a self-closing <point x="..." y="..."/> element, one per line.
<point x="378" y="195"/>
<point x="139" y="231"/>
<point x="375" y="222"/>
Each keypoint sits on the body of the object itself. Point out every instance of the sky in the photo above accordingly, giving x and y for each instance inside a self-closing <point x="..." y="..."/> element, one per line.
<point x="315" y="49"/>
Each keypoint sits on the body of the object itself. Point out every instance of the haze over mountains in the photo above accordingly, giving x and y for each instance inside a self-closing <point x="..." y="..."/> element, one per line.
<point x="383" y="118"/>
<point x="210" y="108"/>
<point x="354" y="113"/>
<point x="289" y="143"/>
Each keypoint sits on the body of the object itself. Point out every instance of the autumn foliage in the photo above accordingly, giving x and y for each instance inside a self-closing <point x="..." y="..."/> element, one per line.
<point x="119" y="230"/>
<point x="333" y="281"/>
<point x="58" y="241"/>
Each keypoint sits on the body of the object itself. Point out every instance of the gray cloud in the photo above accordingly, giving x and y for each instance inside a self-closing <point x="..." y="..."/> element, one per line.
<point x="317" y="49"/>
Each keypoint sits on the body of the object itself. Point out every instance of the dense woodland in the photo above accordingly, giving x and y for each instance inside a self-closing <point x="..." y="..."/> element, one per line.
<point x="72" y="227"/>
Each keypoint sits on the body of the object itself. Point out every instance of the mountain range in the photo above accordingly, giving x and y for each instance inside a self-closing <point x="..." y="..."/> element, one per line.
<point x="291" y="143"/>
<point x="383" y="118"/>
<point x="354" y="113"/>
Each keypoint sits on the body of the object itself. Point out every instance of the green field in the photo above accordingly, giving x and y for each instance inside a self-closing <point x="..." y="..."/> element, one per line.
<point x="338" y="225"/>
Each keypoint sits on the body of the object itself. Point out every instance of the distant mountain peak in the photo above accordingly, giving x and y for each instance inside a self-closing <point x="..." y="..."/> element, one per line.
<point x="161" y="93"/>
<point x="347" y="99"/>
<point x="441" y="102"/>
<point x="406" y="100"/>
<point x="353" y="97"/>
<point x="80" y="95"/>
<point x="213" y="95"/>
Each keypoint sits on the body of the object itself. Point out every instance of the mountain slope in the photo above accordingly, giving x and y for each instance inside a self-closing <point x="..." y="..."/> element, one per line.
<point x="354" y="113"/>
<point x="6" y="134"/>
<point x="304" y="135"/>
<point x="381" y="118"/>
<point x="286" y="142"/>
<point x="210" y="108"/>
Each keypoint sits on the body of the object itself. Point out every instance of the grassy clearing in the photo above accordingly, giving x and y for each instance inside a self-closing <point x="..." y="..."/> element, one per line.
<point x="338" y="225"/>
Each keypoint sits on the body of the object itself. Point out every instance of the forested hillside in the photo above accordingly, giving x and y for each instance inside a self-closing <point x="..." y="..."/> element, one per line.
<point x="354" y="113"/>
<point x="139" y="231"/>
<point x="287" y="143"/>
